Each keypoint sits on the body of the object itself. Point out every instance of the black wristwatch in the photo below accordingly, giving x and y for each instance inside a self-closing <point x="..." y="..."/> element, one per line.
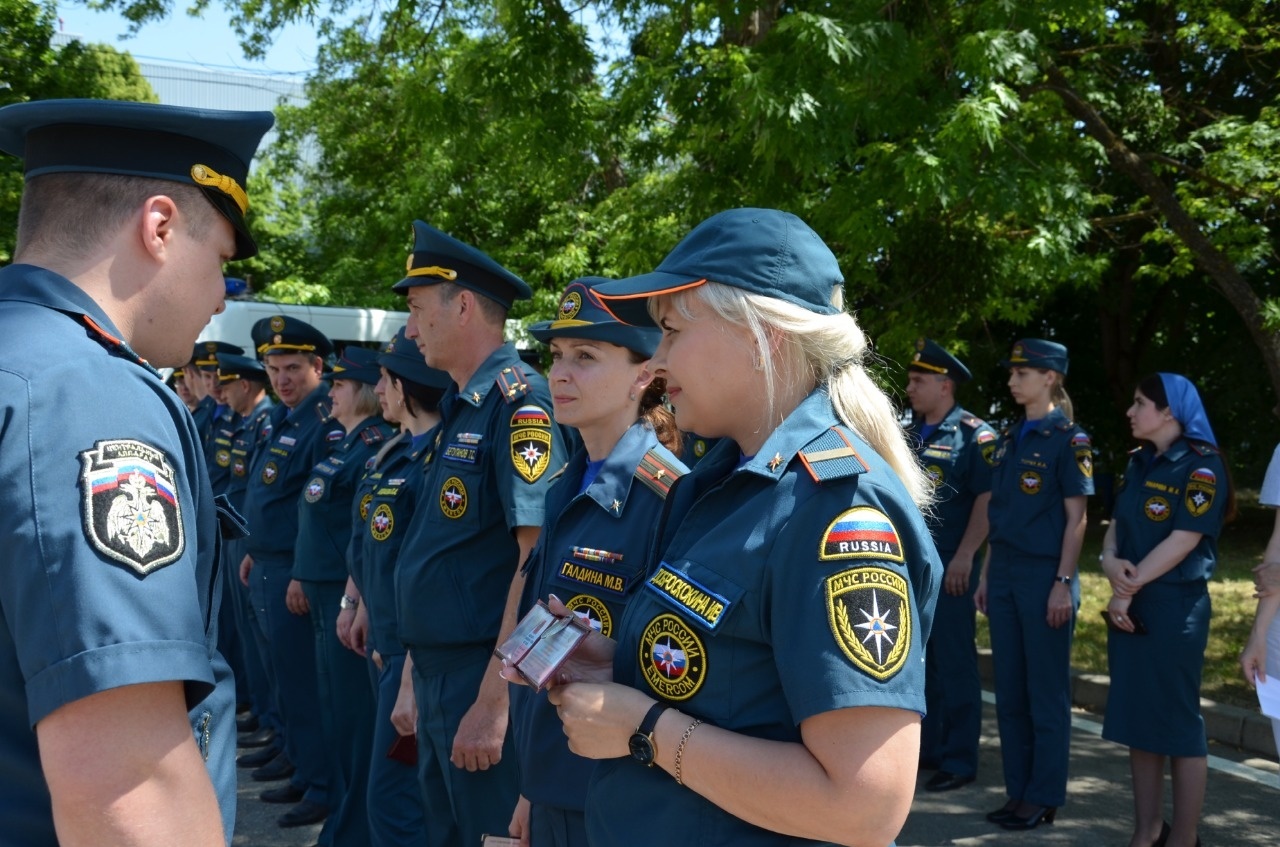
<point x="641" y="742"/>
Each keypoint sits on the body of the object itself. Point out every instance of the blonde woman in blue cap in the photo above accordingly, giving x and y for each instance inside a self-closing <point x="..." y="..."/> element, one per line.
<point x="1159" y="553"/>
<point x="1042" y="476"/>
<point x="598" y="533"/>
<point x="771" y="666"/>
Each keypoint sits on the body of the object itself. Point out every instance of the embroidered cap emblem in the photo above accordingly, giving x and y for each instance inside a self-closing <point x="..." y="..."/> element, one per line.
<point x="130" y="509"/>
<point x="569" y="308"/>
<point x="870" y="614"/>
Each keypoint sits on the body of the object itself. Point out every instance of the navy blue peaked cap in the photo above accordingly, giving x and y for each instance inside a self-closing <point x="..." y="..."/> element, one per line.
<point x="1037" y="353"/>
<point x="205" y="354"/>
<point x="207" y="148"/>
<point x="357" y="363"/>
<point x="402" y="357"/>
<point x="286" y="334"/>
<point x="760" y="251"/>
<point x="232" y="366"/>
<point x="438" y="257"/>
<point x="582" y="315"/>
<point x="931" y="358"/>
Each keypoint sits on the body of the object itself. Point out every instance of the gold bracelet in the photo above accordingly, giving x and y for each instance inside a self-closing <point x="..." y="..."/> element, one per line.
<point x="684" y="739"/>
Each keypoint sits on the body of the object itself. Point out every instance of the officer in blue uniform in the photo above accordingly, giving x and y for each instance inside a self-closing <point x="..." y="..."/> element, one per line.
<point x="117" y="712"/>
<point x="411" y="393"/>
<point x="785" y="617"/>
<point x="1160" y="551"/>
<point x="457" y="583"/>
<point x="300" y="434"/>
<point x="320" y="565"/>
<point x="956" y="448"/>
<point x="598" y="537"/>
<point x="205" y="404"/>
<point x="244" y="382"/>
<point x="1040" y="483"/>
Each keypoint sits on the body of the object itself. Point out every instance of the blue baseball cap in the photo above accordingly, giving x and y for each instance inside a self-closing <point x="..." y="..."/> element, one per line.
<point x="438" y="257"/>
<point x="207" y="148"/>
<point x="760" y="251"/>
<point x="1037" y="353"/>
<point x="582" y="315"/>
<point x="402" y="357"/>
<point x="931" y="358"/>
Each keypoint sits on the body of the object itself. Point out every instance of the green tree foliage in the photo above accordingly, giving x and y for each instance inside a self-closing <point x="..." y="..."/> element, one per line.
<point x="1100" y="173"/>
<point x="32" y="69"/>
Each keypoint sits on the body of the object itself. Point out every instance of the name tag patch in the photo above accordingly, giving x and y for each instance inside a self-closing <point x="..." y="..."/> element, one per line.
<point x="458" y="452"/>
<point x="698" y="600"/>
<point x="596" y="577"/>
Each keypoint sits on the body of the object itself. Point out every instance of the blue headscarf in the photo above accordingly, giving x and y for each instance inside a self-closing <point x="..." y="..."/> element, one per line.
<point x="1184" y="403"/>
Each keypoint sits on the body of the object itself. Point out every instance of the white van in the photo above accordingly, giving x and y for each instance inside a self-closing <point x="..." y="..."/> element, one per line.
<point x="342" y="325"/>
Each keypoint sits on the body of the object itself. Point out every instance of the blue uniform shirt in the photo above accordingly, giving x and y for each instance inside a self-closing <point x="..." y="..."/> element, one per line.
<point x="498" y="449"/>
<point x="799" y="583"/>
<point x="324" y="509"/>
<point x="1031" y="477"/>
<point x="1181" y="489"/>
<point x="250" y="430"/>
<point x="957" y="455"/>
<point x="217" y="449"/>
<point x="111" y="538"/>
<point x="281" y="466"/>
<point x="391" y="500"/>
<point x="202" y="414"/>
<point x="592" y="554"/>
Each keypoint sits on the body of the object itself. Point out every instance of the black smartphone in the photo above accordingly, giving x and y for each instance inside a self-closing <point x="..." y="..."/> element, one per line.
<point x="1139" y="628"/>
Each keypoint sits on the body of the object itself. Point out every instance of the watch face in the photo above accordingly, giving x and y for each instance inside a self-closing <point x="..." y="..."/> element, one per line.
<point x="641" y="749"/>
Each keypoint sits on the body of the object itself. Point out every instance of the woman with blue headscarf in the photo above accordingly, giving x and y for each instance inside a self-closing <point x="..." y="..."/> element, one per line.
<point x="1159" y="553"/>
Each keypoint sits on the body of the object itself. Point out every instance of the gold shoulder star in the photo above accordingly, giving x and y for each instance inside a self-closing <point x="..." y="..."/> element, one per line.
<point x="659" y="473"/>
<point x="775" y="461"/>
<point x="617" y="506"/>
<point x="475" y="396"/>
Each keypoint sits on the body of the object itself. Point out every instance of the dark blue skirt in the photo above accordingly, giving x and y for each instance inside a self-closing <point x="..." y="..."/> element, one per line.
<point x="1154" y="701"/>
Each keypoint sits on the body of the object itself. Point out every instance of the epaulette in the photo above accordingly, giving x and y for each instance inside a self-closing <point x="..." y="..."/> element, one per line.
<point x="831" y="456"/>
<point x="558" y="473"/>
<point x="658" y="473"/>
<point x="371" y="435"/>
<point x="1066" y="426"/>
<point x="1204" y="448"/>
<point x="971" y="421"/>
<point x="1136" y="450"/>
<point x="512" y="383"/>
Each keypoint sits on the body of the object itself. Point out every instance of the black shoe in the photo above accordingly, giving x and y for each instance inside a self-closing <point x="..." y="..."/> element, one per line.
<point x="946" y="781"/>
<point x="247" y="724"/>
<point x="302" y="814"/>
<point x="258" y="758"/>
<point x="278" y="768"/>
<point x="261" y="738"/>
<point x="1003" y="813"/>
<point x="1039" y="815"/>
<point x="287" y="793"/>
<point x="1163" y="837"/>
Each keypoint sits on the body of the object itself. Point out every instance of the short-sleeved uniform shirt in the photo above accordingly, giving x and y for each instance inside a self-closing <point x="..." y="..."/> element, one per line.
<point x="250" y="430"/>
<point x="498" y="449"/>
<point x="281" y="466"/>
<point x="324" y="509"/>
<point x="1183" y="488"/>
<point x="1030" y="479"/>
<point x="957" y="455"/>
<point x="110" y="534"/>
<point x="388" y="505"/>
<point x="592" y="553"/>
<point x="800" y="582"/>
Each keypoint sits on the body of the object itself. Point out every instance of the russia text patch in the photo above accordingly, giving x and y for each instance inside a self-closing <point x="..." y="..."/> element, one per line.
<point x="861" y="533"/>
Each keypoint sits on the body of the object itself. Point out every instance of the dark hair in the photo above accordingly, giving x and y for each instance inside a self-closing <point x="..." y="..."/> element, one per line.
<point x="418" y="398"/>
<point x="75" y="213"/>
<point x="1151" y="386"/>
<point x="654" y="412"/>
<point x="495" y="314"/>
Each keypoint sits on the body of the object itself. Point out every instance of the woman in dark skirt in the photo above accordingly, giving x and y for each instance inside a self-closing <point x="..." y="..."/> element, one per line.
<point x="1159" y="553"/>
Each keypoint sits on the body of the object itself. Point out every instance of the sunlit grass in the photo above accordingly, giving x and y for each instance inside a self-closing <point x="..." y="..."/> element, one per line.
<point x="1239" y="549"/>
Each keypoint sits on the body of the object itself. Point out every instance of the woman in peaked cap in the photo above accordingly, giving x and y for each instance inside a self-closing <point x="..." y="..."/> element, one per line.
<point x="771" y="665"/>
<point x="1159" y="553"/>
<point x="1041" y="479"/>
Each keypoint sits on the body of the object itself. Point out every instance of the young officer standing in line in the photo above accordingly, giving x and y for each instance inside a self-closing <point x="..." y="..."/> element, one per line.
<point x="598" y="536"/>
<point x="117" y="715"/>
<point x="481" y="507"/>
<point x="956" y="449"/>
<point x="293" y="353"/>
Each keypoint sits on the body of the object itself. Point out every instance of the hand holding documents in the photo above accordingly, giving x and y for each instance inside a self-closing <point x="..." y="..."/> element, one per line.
<point x="1269" y="696"/>
<point x="540" y="643"/>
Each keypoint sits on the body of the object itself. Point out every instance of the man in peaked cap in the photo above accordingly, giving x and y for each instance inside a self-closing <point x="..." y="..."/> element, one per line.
<point x="108" y="648"/>
<point x="956" y="449"/>
<point x="457" y="582"/>
<point x="293" y="353"/>
<point x="204" y="365"/>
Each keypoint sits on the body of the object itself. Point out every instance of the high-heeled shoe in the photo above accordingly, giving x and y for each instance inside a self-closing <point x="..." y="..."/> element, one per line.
<point x="1039" y="815"/>
<point x="1163" y="837"/>
<point x="1003" y="813"/>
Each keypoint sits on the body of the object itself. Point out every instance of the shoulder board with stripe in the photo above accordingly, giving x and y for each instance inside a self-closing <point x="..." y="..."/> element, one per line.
<point x="512" y="384"/>
<point x="831" y="456"/>
<point x="1203" y="448"/>
<point x="371" y="435"/>
<point x="1067" y="425"/>
<point x="1136" y="450"/>
<point x="971" y="421"/>
<point x="657" y="473"/>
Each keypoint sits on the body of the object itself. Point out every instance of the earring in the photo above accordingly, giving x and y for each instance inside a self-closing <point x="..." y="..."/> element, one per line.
<point x="631" y="396"/>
